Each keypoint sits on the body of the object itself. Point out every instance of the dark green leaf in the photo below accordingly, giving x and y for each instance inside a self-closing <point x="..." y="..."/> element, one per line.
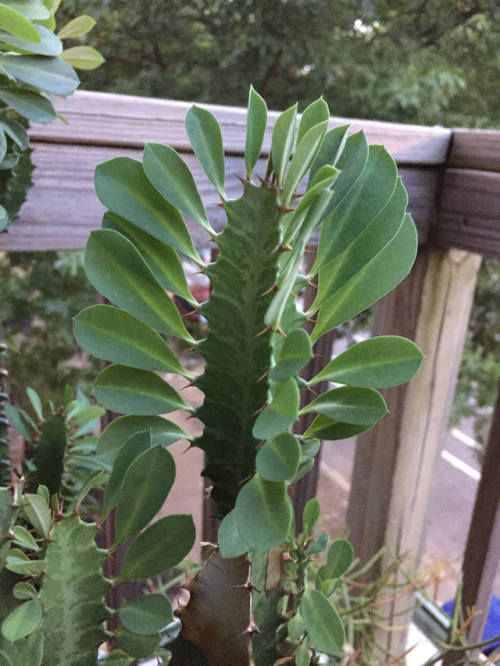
<point x="29" y="104"/>
<point x="118" y="431"/>
<point x="115" y="335"/>
<point x="256" y="128"/>
<point x="282" y="141"/>
<point x="315" y="113"/>
<point x="24" y="591"/>
<point x="118" y="271"/>
<point x="16" y="132"/>
<point x="278" y="459"/>
<point x="205" y="136"/>
<point x="339" y="559"/>
<point x="320" y="544"/>
<point x="323" y="624"/>
<point x="387" y="360"/>
<point x="144" y="489"/>
<point x="301" y="161"/>
<point x="137" y="646"/>
<point x="330" y="429"/>
<point x="163" y="545"/>
<point x="263" y="513"/>
<point x="171" y="176"/>
<point x="17" y="421"/>
<point x="330" y="150"/>
<point x="133" y="391"/>
<point x="295" y="352"/>
<point x="146" y="614"/>
<point x="122" y="186"/>
<point x="231" y="543"/>
<point x="311" y="514"/>
<point x="359" y="406"/>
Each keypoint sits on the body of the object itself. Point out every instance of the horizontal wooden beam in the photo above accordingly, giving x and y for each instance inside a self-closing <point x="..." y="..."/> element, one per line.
<point x="469" y="212"/>
<point x="62" y="207"/>
<point x="475" y="149"/>
<point x="122" y="120"/>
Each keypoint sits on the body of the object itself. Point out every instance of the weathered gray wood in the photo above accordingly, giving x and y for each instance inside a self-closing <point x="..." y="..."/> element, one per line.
<point x="482" y="553"/>
<point x="128" y="121"/>
<point x="475" y="149"/>
<point x="394" y="461"/>
<point x="62" y="207"/>
<point x="469" y="212"/>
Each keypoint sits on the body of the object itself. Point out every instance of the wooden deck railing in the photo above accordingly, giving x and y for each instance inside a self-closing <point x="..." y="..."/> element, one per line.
<point x="453" y="180"/>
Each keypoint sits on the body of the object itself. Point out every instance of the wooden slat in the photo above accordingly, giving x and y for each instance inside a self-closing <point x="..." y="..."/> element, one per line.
<point x="62" y="207"/>
<point x="469" y="212"/>
<point x="128" y="121"/>
<point x="482" y="554"/>
<point x="395" y="460"/>
<point x="475" y="149"/>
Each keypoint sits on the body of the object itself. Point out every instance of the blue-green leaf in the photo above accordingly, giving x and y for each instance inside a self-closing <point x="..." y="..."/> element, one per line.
<point x="282" y="141"/>
<point x="323" y="624"/>
<point x="29" y="104"/>
<point x="16" y="24"/>
<point x="330" y="149"/>
<point x="48" y="44"/>
<point x="146" y="614"/>
<point x="137" y="645"/>
<point x="278" y="459"/>
<point x="22" y="621"/>
<point x="256" y="129"/>
<point x="170" y="175"/>
<point x="339" y="559"/>
<point x="52" y="75"/>
<point x="359" y="406"/>
<point x="280" y="413"/>
<point x="205" y="136"/>
<point x="231" y="543"/>
<point x="301" y="161"/>
<point x="295" y="352"/>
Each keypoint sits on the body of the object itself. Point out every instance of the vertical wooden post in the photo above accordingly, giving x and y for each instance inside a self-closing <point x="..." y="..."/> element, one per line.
<point x="482" y="553"/>
<point x="394" y="461"/>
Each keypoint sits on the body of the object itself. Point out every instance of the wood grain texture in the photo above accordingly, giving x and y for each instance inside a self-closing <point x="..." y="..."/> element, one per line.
<point x="62" y="207"/>
<point x="128" y="121"/>
<point x="469" y="212"/>
<point x="395" y="460"/>
<point x="475" y="149"/>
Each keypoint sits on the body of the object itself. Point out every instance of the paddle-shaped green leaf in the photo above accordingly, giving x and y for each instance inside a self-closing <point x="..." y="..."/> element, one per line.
<point x="295" y="352"/>
<point x="17" y="421"/>
<point x="48" y="45"/>
<point x="24" y="591"/>
<point x="263" y="513"/>
<point x="146" y="614"/>
<point x="36" y="512"/>
<point x="137" y="645"/>
<point x="114" y="335"/>
<point x="79" y="26"/>
<point x="16" y="132"/>
<point x="118" y="431"/>
<point x="330" y="149"/>
<point x="205" y="136"/>
<point x="36" y="402"/>
<point x="82" y="57"/>
<point x="256" y="128"/>
<point x="379" y="276"/>
<point x="133" y="391"/>
<point x="278" y="459"/>
<point x="118" y="271"/>
<point x="52" y="75"/>
<point x="231" y="543"/>
<point x="324" y="427"/>
<point x="387" y="360"/>
<point x="310" y="515"/>
<point x="318" y="545"/>
<point x="322" y="622"/>
<point x="161" y="258"/>
<point x="130" y="450"/>
<point x="302" y="655"/>
<point x="143" y="491"/>
<point x="23" y="538"/>
<point x="359" y="406"/>
<point x="30" y="9"/>
<point x="22" y="621"/>
<point x="123" y="188"/>
<point x="302" y="159"/>
<point x="315" y="113"/>
<point x="339" y="559"/>
<point x="29" y="104"/>
<point x="282" y="141"/>
<point x="170" y="175"/>
<point x="280" y="413"/>
<point x="163" y="545"/>
<point x="16" y="24"/>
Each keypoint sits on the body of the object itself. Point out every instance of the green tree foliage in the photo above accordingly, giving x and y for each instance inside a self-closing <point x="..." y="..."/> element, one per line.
<point x="434" y="62"/>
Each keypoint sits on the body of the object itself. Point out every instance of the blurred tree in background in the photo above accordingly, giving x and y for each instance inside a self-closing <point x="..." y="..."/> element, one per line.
<point x="422" y="61"/>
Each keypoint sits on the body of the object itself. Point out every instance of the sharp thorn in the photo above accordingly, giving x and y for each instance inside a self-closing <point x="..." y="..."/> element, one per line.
<point x="263" y="376"/>
<point x="245" y="181"/>
<point x="252" y="628"/>
<point x="283" y="209"/>
<point x="205" y="544"/>
<point x="273" y="287"/>
<point x="286" y="557"/>
<point x="218" y="203"/>
<point x="287" y="248"/>
<point x="307" y="251"/>
<point x="263" y="332"/>
<point x="247" y="478"/>
<point x="281" y="332"/>
<point x="190" y="313"/>
<point x="189" y="349"/>
<point x="298" y="195"/>
<point x="312" y="284"/>
<point x="258" y="411"/>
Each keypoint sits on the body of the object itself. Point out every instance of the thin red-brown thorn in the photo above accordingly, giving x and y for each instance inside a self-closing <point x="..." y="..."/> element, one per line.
<point x="307" y="251"/>
<point x="252" y="628"/>
<point x="283" y="209"/>
<point x="263" y="376"/>
<point x="247" y="586"/>
<point x="189" y="446"/>
<point x="264" y="330"/>
<point x="281" y="332"/>
<point x="205" y="544"/>
<point x="202" y="270"/>
<point x="191" y="312"/>
<point x="189" y="349"/>
<point x="312" y="284"/>
<point x="218" y="203"/>
<point x="245" y="181"/>
<point x="298" y="195"/>
<point x="258" y="411"/>
<point x="286" y="248"/>
<point x="318" y="355"/>
<point x="247" y="478"/>
<point x="273" y="287"/>
<point x="312" y="391"/>
<point x="286" y="557"/>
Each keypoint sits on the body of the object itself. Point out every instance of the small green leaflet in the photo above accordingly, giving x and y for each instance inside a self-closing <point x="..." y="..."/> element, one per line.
<point x="301" y="161"/>
<point x="82" y="57"/>
<point x="231" y="543"/>
<point x="311" y="514"/>
<point x="205" y="136"/>
<point x="171" y="177"/>
<point x="16" y="24"/>
<point x="133" y="391"/>
<point x="282" y="141"/>
<point x="387" y="360"/>
<point x="22" y="621"/>
<point x="322" y="622"/>
<point x="146" y="614"/>
<point x="256" y="129"/>
<point x="330" y="149"/>
<point x="280" y="413"/>
<point x="359" y="406"/>
<point x="315" y="113"/>
<point x="29" y="104"/>
<point x="79" y="26"/>
<point x="295" y="352"/>
<point x="263" y="513"/>
<point x="339" y="559"/>
<point x="52" y="75"/>
<point x="278" y="459"/>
